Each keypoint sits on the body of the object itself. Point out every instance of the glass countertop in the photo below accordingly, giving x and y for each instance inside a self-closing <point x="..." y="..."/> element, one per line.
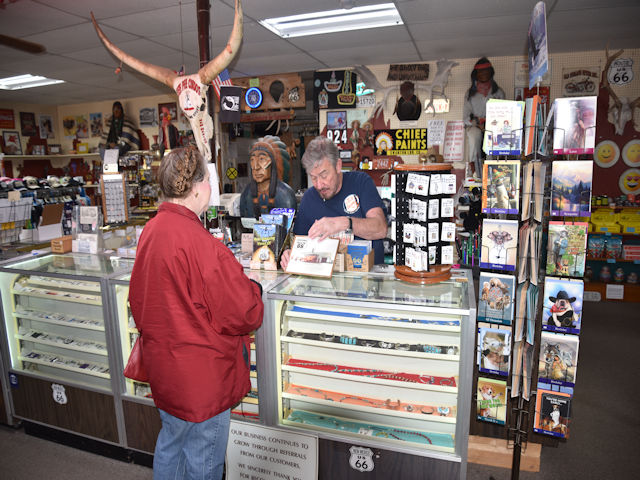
<point x="80" y="264"/>
<point x="452" y="293"/>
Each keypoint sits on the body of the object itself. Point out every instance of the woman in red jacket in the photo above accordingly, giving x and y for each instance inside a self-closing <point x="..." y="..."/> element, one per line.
<point x="193" y="307"/>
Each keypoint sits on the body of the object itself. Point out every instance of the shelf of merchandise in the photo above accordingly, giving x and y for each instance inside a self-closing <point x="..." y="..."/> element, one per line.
<point x="631" y="291"/>
<point x="386" y="366"/>
<point x="50" y="339"/>
<point x="611" y="260"/>
<point x="51" y="156"/>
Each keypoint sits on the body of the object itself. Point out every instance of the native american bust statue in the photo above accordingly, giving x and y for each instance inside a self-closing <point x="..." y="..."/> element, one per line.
<point x="267" y="188"/>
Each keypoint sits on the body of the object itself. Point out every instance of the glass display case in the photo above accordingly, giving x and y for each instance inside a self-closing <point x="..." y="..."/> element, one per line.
<point x="55" y="310"/>
<point x="54" y="314"/>
<point x="374" y="360"/>
<point x="137" y="400"/>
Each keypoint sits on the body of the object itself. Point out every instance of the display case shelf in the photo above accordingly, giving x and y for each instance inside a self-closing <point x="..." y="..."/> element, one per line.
<point x="56" y="295"/>
<point x="47" y="359"/>
<point x="378" y="381"/>
<point x="59" y="342"/>
<point x="63" y="320"/>
<point x="374" y="350"/>
<point x="383" y="409"/>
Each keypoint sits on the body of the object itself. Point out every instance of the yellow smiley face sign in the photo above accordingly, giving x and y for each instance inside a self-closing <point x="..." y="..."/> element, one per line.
<point x="631" y="153"/>
<point x="630" y="181"/>
<point x="606" y="154"/>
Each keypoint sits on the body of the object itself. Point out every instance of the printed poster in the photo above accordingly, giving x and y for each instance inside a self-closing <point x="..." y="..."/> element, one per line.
<point x="538" y="54"/>
<point x="453" y="150"/>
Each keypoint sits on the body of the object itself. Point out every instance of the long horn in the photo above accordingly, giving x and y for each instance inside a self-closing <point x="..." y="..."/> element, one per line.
<point x="215" y="66"/>
<point x="161" y="74"/>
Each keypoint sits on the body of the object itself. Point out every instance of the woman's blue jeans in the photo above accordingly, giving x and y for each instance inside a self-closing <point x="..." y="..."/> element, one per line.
<point x="187" y="450"/>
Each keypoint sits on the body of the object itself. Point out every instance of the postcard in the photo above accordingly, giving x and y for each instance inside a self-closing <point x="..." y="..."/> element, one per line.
<point x="558" y="361"/>
<point x="562" y="308"/>
<point x="566" y="249"/>
<point x="494" y="349"/>
<point x="553" y="411"/>
<point x="571" y="188"/>
<point x="492" y="400"/>
<point x="499" y="244"/>
<point x="496" y="298"/>
<point x="500" y="186"/>
<point x="575" y="125"/>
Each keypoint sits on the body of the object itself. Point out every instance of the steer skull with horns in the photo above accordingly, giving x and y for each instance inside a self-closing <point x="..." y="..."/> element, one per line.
<point x="191" y="89"/>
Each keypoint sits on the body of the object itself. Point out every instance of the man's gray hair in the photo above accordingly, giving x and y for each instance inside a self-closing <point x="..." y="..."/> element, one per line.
<point x="318" y="149"/>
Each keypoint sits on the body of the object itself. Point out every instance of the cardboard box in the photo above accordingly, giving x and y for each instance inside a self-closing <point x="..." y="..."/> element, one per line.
<point x="50" y="224"/>
<point x="61" y="244"/>
<point x="360" y="263"/>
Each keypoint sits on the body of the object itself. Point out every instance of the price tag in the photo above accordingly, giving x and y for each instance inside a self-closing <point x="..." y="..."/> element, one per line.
<point x="365" y="431"/>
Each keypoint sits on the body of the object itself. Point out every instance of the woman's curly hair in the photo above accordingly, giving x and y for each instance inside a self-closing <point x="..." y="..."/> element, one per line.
<point x="179" y="170"/>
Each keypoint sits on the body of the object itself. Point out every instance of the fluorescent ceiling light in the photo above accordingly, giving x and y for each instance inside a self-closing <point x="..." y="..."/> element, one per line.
<point x="371" y="16"/>
<point x="26" y="81"/>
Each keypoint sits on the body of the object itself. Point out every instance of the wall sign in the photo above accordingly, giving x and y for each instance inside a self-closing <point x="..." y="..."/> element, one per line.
<point x="59" y="393"/>
<point x="257" y="452"/>
<point x="253" y="97"/>
<point x="621" y="71"/>
<point x="403" y="141"/>
<point x="361" y="459"/>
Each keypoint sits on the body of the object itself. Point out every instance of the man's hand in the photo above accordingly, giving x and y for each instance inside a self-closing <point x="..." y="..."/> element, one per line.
<point x="284" y="258"/>
<point x="327" y="226"/>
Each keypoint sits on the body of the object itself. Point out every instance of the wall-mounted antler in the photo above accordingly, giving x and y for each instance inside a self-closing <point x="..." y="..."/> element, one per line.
<point x="191" y="89"/>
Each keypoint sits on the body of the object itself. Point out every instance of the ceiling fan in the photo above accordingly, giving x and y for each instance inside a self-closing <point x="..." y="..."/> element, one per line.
<point x="22" y="45"/>
<point x="17" y="43"/>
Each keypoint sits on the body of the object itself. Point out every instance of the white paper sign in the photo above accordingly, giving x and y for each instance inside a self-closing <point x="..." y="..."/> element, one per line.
<point x="213" y="181"/>
<point x="453" y="150"/>
<point x="110" y="162"/>
<point x="255" y="452"/>
<point x="435" y="132"/>
<point x="615" y="292"/>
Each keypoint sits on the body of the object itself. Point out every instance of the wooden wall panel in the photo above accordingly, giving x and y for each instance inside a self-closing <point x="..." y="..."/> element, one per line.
<point x="142" y="423"/>
<point x="86" y="412"/>
<point x="333" y="464"/>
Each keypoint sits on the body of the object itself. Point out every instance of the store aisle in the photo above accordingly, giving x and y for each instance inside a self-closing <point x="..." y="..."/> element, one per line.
<point x="604" y="434"/>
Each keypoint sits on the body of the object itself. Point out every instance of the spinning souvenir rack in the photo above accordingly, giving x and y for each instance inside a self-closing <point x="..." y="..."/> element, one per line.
<point x="515" y="245"/>
<point x="423" y="208"/>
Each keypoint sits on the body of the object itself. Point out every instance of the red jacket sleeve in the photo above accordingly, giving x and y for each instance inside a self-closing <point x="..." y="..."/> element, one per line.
<point x="233" y="300"/>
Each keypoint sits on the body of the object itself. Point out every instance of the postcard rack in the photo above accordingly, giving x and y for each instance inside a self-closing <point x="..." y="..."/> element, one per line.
<point x="538" y="331"/>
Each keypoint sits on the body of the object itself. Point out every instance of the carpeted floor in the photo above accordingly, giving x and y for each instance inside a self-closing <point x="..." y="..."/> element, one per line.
<point x="604" y="432"/>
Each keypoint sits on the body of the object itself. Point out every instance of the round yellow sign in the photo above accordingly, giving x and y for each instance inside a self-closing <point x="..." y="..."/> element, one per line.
<point x="232" y="173"/>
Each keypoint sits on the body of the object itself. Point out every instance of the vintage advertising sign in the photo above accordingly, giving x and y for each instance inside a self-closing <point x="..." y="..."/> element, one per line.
<point x="402" y="141"/>
<point x="257" y="452"/>
<point x="334" y="89"/>
<point x="579" y="82"/>
<point x="620" y="72"/>
<point x="412" y="71"/>
<point x="7" y="118"/>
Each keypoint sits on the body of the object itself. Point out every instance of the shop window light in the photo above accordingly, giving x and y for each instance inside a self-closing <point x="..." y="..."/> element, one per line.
<point x="26" y="81"/>
<point x="357" y="18"/>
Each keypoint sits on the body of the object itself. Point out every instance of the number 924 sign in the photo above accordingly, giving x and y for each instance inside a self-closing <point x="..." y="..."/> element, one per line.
<point x="621" y="71"/>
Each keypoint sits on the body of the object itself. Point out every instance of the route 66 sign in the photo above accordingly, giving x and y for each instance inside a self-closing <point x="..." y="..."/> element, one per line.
<point x="361" y="459"/>
<point x="621" y="71"/>
<point x="59" y="394"/>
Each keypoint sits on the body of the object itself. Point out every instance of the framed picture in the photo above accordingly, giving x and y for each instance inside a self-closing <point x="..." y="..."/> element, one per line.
<point x="337" y="120"/>
<point x="12" y="144"/>
<point x="95" y="120"/>
<point x="28" y="124"/>
<point x="45" y="123"/>
<point x="168" y="108"/>
<point x="55" y="148"/>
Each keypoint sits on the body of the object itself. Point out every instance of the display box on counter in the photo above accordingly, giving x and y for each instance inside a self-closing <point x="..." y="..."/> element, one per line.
<point x="61" y="244"/>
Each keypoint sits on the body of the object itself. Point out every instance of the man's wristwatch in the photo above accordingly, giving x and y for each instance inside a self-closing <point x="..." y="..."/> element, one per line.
<point x="350" y="224"/>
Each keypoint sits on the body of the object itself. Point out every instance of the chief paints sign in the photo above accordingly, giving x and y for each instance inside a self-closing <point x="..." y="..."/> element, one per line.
<point x="403" y="141"/>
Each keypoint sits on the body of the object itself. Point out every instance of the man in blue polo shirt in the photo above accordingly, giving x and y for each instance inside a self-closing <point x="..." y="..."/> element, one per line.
<point x="338" y="201"/>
